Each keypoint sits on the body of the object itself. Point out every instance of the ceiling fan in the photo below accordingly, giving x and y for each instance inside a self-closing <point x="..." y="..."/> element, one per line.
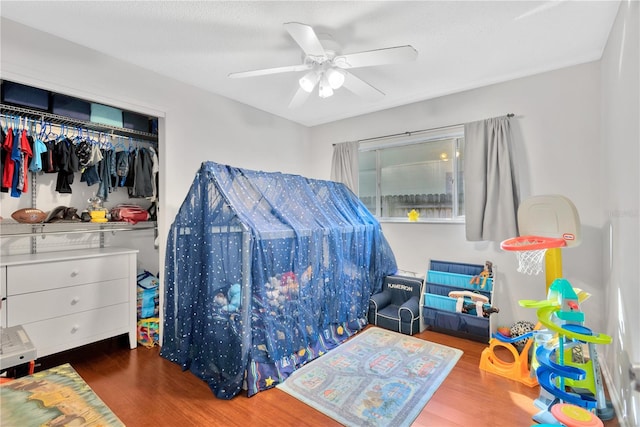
<point x="328" y="70"/>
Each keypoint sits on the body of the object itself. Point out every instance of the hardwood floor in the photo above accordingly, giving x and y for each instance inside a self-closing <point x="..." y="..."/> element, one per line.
<point x="144" y="389"/>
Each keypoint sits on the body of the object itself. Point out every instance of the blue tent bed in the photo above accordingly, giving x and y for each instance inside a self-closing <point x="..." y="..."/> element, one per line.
<point x="264" y="272"/>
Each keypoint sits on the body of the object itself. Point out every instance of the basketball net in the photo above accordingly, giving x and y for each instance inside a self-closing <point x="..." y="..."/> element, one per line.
<point x="530" y="251"/>
<point x="530" y="262"/>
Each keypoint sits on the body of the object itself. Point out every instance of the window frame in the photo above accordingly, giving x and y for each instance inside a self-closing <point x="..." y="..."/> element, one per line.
<point x="454" y="133"/>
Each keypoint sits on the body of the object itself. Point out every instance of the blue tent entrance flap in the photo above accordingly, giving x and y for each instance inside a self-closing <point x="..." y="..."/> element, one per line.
<point x="264" y="272"/>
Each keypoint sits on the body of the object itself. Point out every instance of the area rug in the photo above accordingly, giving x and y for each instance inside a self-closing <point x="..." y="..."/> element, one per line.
<point x="377" y="378"/>
<point x="54" y="397"/>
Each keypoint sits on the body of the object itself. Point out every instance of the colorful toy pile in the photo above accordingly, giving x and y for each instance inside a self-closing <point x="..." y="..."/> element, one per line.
<point x="563" y="358"/>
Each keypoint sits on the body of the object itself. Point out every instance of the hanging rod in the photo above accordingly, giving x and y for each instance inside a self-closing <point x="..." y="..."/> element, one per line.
<point x="410" y="133"/>
<point x="10" y="110"/>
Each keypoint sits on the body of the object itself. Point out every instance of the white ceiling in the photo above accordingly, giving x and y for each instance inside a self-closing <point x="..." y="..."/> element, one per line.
<point x="461" y="44"/>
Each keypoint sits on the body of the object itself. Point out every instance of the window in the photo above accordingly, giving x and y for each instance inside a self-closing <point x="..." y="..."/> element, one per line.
<point x="424" y="173"/>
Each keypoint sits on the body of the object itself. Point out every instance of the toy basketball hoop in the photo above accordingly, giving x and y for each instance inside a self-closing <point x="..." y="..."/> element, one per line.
<point x="530" y="251"/>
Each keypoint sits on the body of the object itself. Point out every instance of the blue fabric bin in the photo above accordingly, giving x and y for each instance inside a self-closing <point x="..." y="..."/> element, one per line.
<point x="458" y="280"/>
<point x="106" y="115"/>
<point x="135" y="121"/>
<point x="438" y="289"/>
<point x="442" y="320"/>
<point x="475" y="325"/>
<point x="25" y="96"/>
<point x="440" y="302"/>
<point x="68" y="106"/>
<point x="456" y="267"/>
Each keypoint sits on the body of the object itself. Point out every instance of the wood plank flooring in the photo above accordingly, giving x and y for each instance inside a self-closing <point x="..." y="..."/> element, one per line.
<point x="144" y="389"/>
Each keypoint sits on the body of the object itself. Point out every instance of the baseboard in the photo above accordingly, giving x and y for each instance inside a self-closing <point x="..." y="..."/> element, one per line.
<point x="614" y="394"/>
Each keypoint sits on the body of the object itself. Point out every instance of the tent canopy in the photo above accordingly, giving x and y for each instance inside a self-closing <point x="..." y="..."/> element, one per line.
<point x="265" y="271"/>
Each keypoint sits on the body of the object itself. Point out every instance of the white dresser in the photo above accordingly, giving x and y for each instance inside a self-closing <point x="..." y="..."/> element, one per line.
<point x="70" y="298"/>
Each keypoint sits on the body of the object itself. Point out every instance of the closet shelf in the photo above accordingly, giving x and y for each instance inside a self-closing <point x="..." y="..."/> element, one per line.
<point x="11" y="110"/>
<point x="16" y="229"/>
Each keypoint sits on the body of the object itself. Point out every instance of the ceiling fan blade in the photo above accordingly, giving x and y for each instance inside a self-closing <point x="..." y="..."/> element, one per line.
<point x="266" y="71"/>
<point x="299" y="98"/>
<point x="306" y="37"/>
<point x="361" y="88"/>
<point x="390" y="55"/>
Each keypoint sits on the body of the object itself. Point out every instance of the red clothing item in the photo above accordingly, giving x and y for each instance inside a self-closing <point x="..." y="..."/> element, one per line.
<point x="9" y="164"/>
<point x="27" y="153"/>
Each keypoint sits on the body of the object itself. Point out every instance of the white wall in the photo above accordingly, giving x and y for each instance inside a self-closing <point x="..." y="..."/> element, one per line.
<point x="620" y="189"/>
<point x="195" y="126"/>
<point x="556" y="130"/>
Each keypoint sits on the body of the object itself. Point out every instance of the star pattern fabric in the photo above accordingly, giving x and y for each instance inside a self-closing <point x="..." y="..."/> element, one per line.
<point x="265" y="271"/>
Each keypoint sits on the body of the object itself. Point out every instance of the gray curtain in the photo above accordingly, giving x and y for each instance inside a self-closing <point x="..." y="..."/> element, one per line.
<point x="490" y="189"/>
<point x="344" y="165"/>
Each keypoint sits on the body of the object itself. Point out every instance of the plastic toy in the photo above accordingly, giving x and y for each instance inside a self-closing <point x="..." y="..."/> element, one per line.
<point x="561" y="314"/>
<point x="546" y="224"/>
<point x="517" y="370"/>
<point x="575" y="416"/>
<point x="233" y="298"/>
<point x="413" y="215"/>
<point x="148" y="331"/>
<point x="481" y="279"/>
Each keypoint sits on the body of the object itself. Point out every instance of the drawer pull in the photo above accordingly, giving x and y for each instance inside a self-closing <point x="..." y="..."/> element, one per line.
<point x="75" y="300"/>
<point x="75" y="329"/>
<point x="75" y="272"/>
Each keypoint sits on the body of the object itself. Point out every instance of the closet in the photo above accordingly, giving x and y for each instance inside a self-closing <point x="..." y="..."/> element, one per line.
<point x="88" y="268"/>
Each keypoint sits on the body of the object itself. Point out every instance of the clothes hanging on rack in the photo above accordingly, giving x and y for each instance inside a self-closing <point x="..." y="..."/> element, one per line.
<point x="107" y="174"/>
<point x="49" y="164"/>
<point x="154" y="174"/>
<point x="142" y="184"/>
<point x="36" y="148"/>
<point x="16" y="153"/>
<point x="39" y="148"/>
<point x="68" y="165"/>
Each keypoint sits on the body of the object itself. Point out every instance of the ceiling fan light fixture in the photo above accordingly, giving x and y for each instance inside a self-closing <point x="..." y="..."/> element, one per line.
<point x="335" y="78"/>
<point x="309" y="81"/>
<point x="325" y="90"/>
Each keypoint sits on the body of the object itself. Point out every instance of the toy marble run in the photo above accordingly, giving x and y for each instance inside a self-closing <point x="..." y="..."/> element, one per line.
<point x="563" y="379"/>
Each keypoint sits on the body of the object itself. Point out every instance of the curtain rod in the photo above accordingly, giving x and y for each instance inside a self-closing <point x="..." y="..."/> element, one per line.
<point x="409" y="133"/>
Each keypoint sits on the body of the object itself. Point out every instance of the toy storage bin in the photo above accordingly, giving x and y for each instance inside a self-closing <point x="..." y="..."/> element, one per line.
<point x="439" y="310"/>
<point x="459" y="280"/>
<point x="456" y="267"/>
<point x="457" y="324"/>
<point x="438" y="289"/>
<point x="440" y="302"/>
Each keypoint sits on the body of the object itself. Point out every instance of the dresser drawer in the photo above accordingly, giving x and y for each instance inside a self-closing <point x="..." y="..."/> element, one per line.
<point x="36" y="306"/>
<point x="61" y="333"/>
<point x="57" y="274"/>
